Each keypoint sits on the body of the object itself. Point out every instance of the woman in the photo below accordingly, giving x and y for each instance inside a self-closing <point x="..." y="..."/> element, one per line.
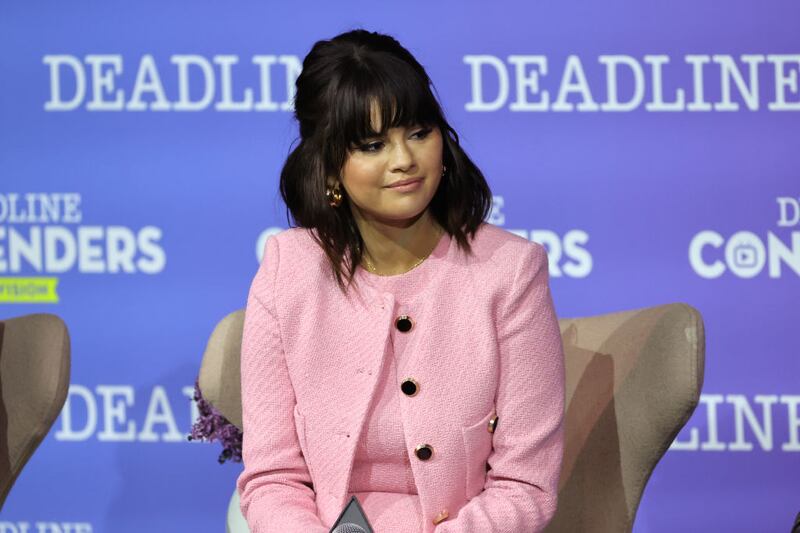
<point x="396" y="347"/>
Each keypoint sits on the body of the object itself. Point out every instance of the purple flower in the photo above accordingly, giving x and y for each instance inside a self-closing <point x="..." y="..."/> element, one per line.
<point x="211" y="426"/>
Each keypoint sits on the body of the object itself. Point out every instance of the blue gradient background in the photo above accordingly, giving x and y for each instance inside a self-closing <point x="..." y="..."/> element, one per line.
<point x="642" y="184"/>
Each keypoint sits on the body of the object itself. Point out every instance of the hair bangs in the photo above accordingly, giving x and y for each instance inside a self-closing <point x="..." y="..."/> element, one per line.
<point x="391" y="92"/>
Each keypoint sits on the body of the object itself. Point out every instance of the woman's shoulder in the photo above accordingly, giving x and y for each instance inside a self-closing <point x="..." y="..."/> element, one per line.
<point x="297" y="240"/>
<point x="500" y="248"/>
<point x="294" y="252"/>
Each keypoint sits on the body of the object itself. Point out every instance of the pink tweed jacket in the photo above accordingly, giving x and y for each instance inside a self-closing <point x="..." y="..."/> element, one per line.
<point x="485" y="342"/>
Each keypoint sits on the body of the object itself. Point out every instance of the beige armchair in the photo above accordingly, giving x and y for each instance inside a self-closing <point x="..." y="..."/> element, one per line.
<point x="633" y="380"/>
<point x="34" y="380"/>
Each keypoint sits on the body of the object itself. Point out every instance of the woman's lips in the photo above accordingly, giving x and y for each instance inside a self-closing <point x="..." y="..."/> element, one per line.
<point x="406" y="185"/>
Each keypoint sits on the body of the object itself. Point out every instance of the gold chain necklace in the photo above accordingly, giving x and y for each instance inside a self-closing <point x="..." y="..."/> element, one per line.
<point x="372" y="268"/>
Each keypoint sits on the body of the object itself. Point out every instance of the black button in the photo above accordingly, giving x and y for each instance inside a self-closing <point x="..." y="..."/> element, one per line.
<point x="403" y="323"/>
<point x="492" y="424"/>
<point x="423" y="452"/>
<point x="409" y="387"/>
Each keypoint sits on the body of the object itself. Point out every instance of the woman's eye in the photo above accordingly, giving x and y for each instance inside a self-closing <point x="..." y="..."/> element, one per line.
<point x="423" y="133"/>
<point x="371" y="147"/>
<point x="376" y="146"/>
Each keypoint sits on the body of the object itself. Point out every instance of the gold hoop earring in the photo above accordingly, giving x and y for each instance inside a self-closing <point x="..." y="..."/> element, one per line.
<point x="334" y="196"/>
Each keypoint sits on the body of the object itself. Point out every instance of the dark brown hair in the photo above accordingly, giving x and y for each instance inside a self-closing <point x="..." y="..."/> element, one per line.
<point x="341" y="79"/>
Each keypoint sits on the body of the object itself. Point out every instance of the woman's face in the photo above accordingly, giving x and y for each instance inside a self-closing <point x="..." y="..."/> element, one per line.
<point x="373" y="170"/>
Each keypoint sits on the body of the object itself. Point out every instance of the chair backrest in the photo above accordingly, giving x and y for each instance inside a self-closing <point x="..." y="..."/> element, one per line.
<point x="633" y="379"/>
<point x="220" y="371"/>
<point x="34" y="381"/>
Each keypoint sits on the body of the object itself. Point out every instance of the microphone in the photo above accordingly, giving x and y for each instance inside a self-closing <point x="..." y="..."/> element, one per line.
<point x="352" y="519"/>
<point x="349" y="527"/>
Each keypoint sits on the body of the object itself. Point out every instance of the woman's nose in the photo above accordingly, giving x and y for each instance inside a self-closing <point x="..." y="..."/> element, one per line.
<point x="402" y="156"/>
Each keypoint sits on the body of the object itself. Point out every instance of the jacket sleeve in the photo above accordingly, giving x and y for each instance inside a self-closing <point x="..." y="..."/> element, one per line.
<point x="521" y="488"/>
<point x="274" y="487"/>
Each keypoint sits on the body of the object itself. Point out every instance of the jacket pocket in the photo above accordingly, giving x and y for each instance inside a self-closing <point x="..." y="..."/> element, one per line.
<point x="477" y="446"/>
